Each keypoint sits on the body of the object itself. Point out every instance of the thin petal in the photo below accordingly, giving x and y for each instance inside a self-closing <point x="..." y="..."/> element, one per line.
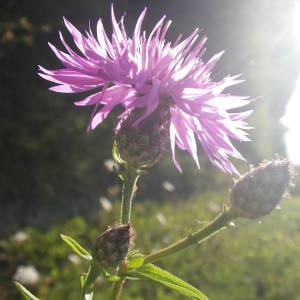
<point x="152" y="102"/>
<point x="173" y="143"/>
<point x="66" y="88"/>
<point x="184" y="134"/>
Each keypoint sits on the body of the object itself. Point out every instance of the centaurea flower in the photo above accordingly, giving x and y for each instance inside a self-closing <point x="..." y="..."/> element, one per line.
<point x="142" y="72"/>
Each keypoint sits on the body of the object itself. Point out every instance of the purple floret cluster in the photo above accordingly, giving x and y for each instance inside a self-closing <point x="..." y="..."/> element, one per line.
<point x="143" y="71"/>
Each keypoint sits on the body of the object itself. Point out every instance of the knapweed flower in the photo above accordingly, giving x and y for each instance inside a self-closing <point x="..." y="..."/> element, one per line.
<point x="148" y="73"/>
<point x="259" y="191"/>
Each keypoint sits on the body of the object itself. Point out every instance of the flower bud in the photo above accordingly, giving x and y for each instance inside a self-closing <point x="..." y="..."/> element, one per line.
<point x="142" y="144"/>
<point x="112" y="246"/>
<point x="259" y="191"/>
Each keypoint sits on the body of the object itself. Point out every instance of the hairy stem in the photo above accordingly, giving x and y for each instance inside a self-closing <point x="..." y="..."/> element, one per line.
<point x="130" y="178"/>
<point x="90" y="278"/>
<point x="117" y="289"/>
<point x="192" y="239"/>
<point x="129" y="187"/>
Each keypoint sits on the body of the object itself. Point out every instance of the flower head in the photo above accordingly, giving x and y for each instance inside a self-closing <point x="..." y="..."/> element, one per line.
<point x="258" y="192"/>
<point x="145" y="71"/>
<point x="143" y="145"/>
<point x="112" y="245"/>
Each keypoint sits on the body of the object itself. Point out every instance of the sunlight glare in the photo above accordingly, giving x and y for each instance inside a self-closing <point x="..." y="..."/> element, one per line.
<point x="296" y="18"/>
<point x="291" y="119"/>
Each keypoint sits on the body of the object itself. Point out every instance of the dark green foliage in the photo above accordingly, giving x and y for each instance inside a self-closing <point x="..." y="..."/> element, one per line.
<point x="45" y="164"/>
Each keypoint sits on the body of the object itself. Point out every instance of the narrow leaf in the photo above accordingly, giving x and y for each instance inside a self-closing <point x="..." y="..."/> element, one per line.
<point x="165" y="278"/>
<point x="109" y="277"/>
<point x="135" y="262"/>
<point x="24" y="292"/>
<point x="113" y="278"/>
<point x="79" y="250"/>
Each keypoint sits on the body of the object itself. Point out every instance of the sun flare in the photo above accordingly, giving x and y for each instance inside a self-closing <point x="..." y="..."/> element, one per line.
<point x="291" y="118"/>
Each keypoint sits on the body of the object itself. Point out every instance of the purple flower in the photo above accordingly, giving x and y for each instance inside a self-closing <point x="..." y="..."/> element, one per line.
<point x="143" y="71"/>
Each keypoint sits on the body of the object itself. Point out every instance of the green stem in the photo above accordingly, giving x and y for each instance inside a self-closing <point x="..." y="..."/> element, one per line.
<point x="90" y="278"/>
<point x="130" y="178"/>
<point x="117" y="289"/>
<point x="129" y="187"/>
<point x="210" y="229"/>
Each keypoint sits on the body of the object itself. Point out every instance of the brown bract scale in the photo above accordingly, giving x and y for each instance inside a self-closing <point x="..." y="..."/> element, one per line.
<point x="144" y="144"/>
<point x="259" y="191"/>
<point x="113" y="245"/>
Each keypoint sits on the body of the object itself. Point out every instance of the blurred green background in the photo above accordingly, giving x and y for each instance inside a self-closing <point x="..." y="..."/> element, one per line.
<point x="52" y="174"/>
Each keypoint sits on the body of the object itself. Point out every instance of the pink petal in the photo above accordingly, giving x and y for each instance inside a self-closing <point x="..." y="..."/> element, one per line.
<point x="152" y="102"/>
<point x="173" y="142"/>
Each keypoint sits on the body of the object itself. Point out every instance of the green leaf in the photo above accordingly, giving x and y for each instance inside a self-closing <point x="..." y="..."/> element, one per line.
<point x="24" y="292"/>
<point x="135" y="261"/>
<point x="165" y="278"/>
<point x="109" y="277"/>
<point x="79" y="250"/>
<point x="113" y="278"/>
